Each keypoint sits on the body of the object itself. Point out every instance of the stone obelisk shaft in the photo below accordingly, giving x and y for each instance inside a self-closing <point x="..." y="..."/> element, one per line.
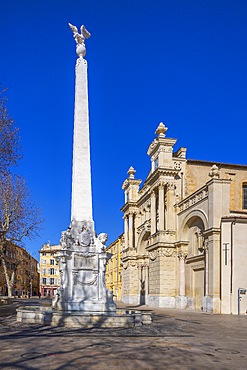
<point x="81" y="206"/>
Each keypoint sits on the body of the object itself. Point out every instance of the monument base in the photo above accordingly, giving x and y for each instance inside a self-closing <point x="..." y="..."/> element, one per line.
<point x="47" y="316"/>
<point x="86" y="306"/>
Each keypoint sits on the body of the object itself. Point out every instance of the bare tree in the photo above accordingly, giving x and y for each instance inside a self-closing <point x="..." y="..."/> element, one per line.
<point x="9" y="138"/>
<point x="19" y="218"/>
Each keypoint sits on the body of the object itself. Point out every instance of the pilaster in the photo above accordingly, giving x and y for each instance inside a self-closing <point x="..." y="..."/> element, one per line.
<point x="170" y="196"/>
<point x="153" y="213"/>
<point x="161" y="207"/>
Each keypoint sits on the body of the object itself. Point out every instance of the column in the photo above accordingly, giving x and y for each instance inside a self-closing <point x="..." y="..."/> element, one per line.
<point x="161" y="208"/>
<point x="139" y="279"/>
<point x="181" y="257"/>
<point x="206" y="269"/>
<point x="153" y="212"/>
<point x="126" y="232"/>
<point x="131" y="224"/>
<point x="170" y="207"/>
<point x="146" y="280"/>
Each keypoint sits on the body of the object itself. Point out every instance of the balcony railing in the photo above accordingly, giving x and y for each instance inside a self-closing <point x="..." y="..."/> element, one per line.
<point x="193" y="199"/>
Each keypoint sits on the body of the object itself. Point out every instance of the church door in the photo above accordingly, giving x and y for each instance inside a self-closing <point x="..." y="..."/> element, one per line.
<point x="198" y="288"/>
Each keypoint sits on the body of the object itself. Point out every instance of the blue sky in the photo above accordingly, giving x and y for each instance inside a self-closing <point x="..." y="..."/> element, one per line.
<point x="180" y="62"/>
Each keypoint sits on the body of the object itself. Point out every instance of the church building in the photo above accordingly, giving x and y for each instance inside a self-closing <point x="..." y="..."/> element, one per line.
<point x="185" y="232"/>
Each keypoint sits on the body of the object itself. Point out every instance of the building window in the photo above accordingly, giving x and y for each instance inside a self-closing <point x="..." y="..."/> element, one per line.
<point x="52" y="262"/>
<point x="52" y="281"/>
<point x="44" y="281"/>
<point x="43" y="271"/>
<point x="52" y="271"/>
<point x="52" y="254"/>
<point x="44" y="254"/>
<point x="43" y="262"/>
<point x="244" y="196"/>
<point x="156" y="163"/>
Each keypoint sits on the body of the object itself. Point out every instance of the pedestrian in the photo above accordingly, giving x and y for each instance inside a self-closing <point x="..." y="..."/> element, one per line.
<point x="39" y="294"/>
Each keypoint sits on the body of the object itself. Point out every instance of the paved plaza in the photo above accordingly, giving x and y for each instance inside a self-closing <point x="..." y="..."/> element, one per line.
<point x="176" y="340"/>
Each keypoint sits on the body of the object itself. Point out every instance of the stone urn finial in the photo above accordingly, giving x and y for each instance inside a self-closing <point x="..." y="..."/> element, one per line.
<point x="161" y="130"/>
<point x="131" y="172"/>
<point x="214" y="172"/>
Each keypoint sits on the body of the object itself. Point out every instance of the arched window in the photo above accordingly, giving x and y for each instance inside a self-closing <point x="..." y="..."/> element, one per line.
<point x="244" y="195"/>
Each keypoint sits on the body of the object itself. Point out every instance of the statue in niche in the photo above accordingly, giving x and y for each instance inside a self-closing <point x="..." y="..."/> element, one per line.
<point x="199" y="240"/>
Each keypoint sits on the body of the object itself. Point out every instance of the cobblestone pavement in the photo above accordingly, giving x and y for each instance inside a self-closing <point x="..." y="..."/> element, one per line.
<point x="176" y="339"/>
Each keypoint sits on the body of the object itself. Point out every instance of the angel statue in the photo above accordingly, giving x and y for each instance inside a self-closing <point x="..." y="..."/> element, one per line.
<point x="80" y="37"/>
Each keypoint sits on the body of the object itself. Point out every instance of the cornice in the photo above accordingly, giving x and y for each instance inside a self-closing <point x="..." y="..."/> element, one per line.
<point x="211" y="231"/>
<point x="158" y="142"/>
<point x="128" y="182"/>
<point x="215" y="180"/>
<point x="129" y="205"/>
<point x="161" y="171"/>
<point x="199" y="257"/>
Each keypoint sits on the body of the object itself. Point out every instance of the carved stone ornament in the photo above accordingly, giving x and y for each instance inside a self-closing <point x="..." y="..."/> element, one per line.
<point x="84" y="237"/>
<point x="66" y="240"/>
<point x="144" y="227"/>
<point x="86" y="261"/>
<point x="205" y="246"/>
<point x="214" y="171"/>
<point x="80" y="39"/>
<point x="182" y="255"/>
<point x="100" y="241"/>
<point x="89" y="282"/>
<point x="161" y="130"/>
<point x="162" y="252"/>
<point x="133" y="263"/>
<point x="170" y="186"/>
<point x="131" y="172"/>
<point x="177" y="165"/>
<point x="125" y="265"/>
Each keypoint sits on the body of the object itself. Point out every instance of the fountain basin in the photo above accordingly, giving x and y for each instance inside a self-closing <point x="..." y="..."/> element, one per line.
<point x="76" y="319"/>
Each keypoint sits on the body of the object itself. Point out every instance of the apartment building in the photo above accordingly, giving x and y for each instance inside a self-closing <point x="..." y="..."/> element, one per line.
<point x="22" y="270"/>
<point x="49" y="270"/>
<point x="114" y="268"/>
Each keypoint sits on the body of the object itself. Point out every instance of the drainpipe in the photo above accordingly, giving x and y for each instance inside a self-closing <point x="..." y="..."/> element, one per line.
<point x="182" y="185"/>
<point x="231" y="272"/>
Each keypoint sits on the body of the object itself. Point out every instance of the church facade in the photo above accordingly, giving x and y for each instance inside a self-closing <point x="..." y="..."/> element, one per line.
<point x="185" y="232"/>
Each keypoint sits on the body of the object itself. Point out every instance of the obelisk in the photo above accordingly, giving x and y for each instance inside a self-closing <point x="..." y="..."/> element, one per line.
<point x="82" y="258"/>
<point x="81" y="202"/>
